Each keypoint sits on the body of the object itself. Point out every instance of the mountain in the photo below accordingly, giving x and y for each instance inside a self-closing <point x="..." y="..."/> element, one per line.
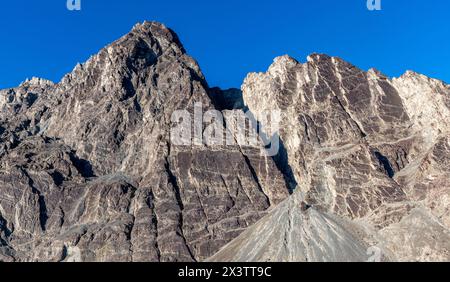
<point x="372" y="151"/>
<point x="91" y="168"/>
<point x="88" y="171"/>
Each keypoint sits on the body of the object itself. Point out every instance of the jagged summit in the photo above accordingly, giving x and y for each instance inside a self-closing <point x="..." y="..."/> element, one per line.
<point x="156" y="29"/>
<point x="146" y="45"/>
<point x="285" y="61"/>
<point x="36" y="81"/>
<point x="88" y="166"/>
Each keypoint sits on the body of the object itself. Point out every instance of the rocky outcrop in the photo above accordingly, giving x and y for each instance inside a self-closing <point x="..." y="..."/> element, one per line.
<point x="363" y="147"/>
<point x="88" y="171"/>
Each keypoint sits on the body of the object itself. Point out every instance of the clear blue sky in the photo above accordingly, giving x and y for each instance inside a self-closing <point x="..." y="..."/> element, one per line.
<point x="232" y="37"/>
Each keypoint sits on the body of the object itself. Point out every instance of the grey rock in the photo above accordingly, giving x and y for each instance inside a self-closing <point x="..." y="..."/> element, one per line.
<point x="365" y="148"/>
<point x="292" y="233"/>
<point x="88" y="172"/>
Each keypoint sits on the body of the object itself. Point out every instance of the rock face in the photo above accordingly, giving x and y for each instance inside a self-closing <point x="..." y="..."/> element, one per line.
<point x="89" y="170"/>
<point x="360" y="146"/>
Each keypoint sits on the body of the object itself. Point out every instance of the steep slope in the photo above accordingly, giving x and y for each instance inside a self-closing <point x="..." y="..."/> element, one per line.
<point x="88" y="171"/>
<point x="293" y="233"/>
<point x="362" y="147"/>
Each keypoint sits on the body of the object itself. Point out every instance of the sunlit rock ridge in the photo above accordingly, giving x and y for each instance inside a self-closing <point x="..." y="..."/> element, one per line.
<point x="88" y="171"/>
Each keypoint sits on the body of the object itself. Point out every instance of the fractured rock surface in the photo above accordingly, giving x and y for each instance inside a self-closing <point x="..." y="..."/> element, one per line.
<point x="362" y="147"/>
<point x="88" y="171"/>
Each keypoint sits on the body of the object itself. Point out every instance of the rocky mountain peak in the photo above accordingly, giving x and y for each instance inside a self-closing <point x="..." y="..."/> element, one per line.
<point x="135" y="54"/>
<point x="88" y="166"/>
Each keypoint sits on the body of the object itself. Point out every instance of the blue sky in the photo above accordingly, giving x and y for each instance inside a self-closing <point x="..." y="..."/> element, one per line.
<point x="230" y="38"/>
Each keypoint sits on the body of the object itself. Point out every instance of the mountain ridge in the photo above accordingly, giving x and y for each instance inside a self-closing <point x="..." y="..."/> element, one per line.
<point x="362" y="147"/>
<point x="88" y="170"/>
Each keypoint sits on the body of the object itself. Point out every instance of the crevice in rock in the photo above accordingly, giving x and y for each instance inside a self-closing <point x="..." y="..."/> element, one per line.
<point x="30" y="99"/>
<point x="43" y="216"/>
<point x="151" y="205"/>
<point x="177" y="192"/>
<point x="233" y="202"/>
<point x="129" y="232"/>
<point x="129" y="235"/>
<point x="173" y="182"/>
<point x="361" y="131"/>
<point x="63" y="216"/>
<point x="4" y="227"/>
<point x="129" y="88"/>
<point x="241" y="186"/>
<point x="256" y="179"/>
<point x="57" y="177"/>
<point x="305" y="123"/>
<point x="384" y="161"/>
<point x="281" y="159"/>
<point x="282" y="163"/>
<point x="64" y="254"/>
<point x="14" y="141"/>
<point x="83" y="167"/>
